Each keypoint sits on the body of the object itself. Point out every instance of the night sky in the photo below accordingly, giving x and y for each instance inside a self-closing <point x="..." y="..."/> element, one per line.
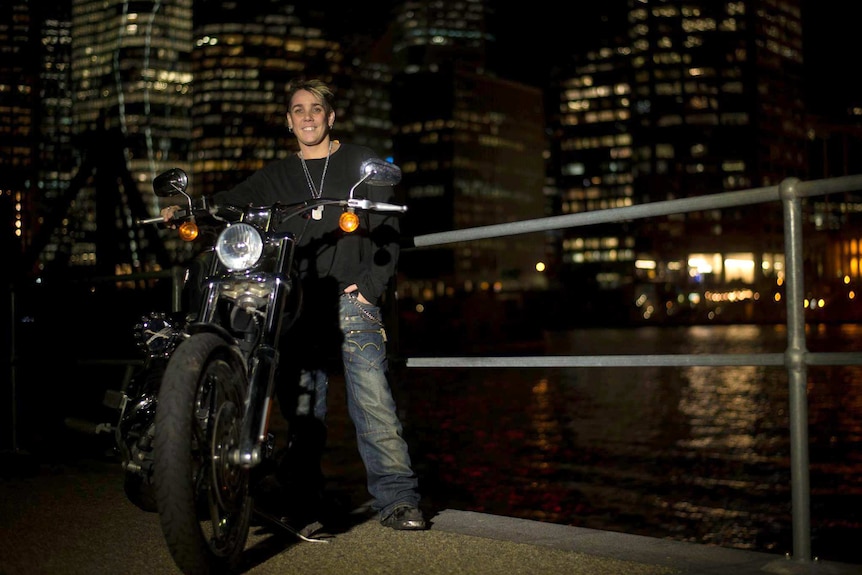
<point x="832" y="51"/>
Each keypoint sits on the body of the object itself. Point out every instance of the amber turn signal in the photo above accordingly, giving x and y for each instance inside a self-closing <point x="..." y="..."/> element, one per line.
<point x="348" y="221"/>
<point x="188" y="231"/>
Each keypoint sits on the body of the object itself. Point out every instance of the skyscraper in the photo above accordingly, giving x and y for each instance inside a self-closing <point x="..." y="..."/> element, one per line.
<point x="687" y="99"/>
<point x="56" y="155"/>
<point x="430" y="35"/>
<point x="131" y="87"/>
<point x="245" y="53"/>
<point x="19" y="115"/>
<point x="472" y="147"/>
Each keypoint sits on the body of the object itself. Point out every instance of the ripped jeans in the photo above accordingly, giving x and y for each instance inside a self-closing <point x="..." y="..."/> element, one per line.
<point x="391" y="481"/>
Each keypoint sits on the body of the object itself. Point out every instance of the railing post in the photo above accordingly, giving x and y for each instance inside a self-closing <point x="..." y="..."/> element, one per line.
<point x="797" y="370"/>
<point x="13" y="359"/>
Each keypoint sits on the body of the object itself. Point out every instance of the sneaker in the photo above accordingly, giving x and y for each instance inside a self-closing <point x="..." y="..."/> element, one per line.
<point x="404" y="517"/>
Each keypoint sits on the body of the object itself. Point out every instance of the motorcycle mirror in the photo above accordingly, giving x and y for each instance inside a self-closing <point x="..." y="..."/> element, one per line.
<point x="377" y="172"/>
<point x="170" y="183"/>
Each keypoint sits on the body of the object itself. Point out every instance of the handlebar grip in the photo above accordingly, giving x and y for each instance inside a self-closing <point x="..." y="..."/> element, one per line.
<point x="159" y="219"/>
<point x="389" y="208"/>
<point x="376" y="206"/>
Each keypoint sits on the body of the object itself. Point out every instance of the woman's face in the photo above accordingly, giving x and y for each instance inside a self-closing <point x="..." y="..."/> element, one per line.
<point x="308" y="119"/>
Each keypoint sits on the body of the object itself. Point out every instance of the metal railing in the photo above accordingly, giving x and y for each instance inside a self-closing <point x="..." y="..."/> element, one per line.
<point x="796" y="357"/>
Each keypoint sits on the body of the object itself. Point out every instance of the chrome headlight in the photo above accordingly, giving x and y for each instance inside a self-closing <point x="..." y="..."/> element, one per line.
<point x="239" y="247"/>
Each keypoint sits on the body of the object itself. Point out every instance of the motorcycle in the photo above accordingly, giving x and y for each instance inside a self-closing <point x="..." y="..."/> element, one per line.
<point x="194" y="421"/>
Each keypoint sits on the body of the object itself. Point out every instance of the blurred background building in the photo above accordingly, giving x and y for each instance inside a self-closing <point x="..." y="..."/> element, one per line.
<point x="680" y="100"/>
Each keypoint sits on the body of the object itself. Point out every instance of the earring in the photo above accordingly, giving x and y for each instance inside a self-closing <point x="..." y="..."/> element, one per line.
<point x="290" y="128"/>
<point x="330" y="126"/>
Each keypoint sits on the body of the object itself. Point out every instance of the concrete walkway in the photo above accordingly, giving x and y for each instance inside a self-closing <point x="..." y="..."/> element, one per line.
<point x="73" y="518"/>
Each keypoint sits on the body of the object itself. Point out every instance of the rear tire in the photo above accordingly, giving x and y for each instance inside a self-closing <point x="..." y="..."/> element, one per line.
<point x="203" y="501"/>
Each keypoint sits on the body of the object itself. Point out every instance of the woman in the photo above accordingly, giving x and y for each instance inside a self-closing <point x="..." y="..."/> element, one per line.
<point x="344" y="277"/>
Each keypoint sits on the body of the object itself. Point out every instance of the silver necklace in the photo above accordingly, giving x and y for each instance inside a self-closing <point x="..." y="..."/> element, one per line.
<point x="316" y="213"/>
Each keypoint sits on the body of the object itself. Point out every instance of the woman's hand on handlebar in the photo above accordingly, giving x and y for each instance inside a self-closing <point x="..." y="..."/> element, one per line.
<point x="167" y="214"/>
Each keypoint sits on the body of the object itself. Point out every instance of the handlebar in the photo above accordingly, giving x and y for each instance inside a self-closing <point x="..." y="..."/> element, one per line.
<point x="291" y="209"/>
<point x="372" y="172"/>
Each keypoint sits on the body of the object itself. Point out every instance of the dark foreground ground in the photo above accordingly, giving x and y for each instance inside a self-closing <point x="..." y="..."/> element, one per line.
<point x="70" y="516"/>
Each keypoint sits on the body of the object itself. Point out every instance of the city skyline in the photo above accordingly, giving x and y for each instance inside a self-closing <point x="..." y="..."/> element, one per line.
<point x="530" y="42"/>
<point x="604" y="141"/>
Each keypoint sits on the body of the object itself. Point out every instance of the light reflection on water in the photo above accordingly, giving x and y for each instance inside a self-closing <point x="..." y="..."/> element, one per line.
<point x="694" y="453"/>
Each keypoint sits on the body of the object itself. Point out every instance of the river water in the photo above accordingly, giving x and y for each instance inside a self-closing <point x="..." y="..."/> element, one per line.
<point x="698" y="454"/>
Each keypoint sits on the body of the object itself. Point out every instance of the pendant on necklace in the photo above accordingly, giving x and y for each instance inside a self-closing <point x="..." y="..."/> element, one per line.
<point x="317" y="213"/>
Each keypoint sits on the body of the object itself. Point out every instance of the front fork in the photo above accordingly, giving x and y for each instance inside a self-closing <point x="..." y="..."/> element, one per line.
<point x="263" y="360"/>
<point x="254" y="442"/>
<point x="253" y="436"/>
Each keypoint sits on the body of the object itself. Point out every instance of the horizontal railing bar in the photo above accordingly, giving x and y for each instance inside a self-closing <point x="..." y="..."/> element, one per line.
<point x="828" y="186"/>
<point x="672" y="360"/>
<point x="667" y="207"/>
<point x="663" y="208"/>
<point x="834" y="358"/>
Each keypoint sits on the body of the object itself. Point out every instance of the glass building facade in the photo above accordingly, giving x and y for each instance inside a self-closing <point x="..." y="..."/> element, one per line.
<point x="131" y="90"/>
<point x="682" y="99"/>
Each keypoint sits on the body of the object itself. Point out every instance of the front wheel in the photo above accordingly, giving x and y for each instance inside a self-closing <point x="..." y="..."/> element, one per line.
<point x="139" y="490"/>
<point x="203" y="500"/>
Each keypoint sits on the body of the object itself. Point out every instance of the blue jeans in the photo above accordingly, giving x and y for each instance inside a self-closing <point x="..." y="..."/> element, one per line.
<point x="391" y="481"/>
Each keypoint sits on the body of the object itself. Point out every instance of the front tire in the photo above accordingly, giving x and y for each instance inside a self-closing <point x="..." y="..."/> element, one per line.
<point x="203" y="500"/>
<point x="139" y="490"/>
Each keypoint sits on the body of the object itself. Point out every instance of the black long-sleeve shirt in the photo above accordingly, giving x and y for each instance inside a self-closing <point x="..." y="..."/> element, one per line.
<point x="366" y="257"/>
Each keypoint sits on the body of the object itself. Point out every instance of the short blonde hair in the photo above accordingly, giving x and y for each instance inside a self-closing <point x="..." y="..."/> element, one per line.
<point x="318" y="88"/>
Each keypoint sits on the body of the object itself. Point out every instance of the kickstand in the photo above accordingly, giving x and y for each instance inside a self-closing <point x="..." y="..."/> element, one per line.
<point x="304" y="533"/>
